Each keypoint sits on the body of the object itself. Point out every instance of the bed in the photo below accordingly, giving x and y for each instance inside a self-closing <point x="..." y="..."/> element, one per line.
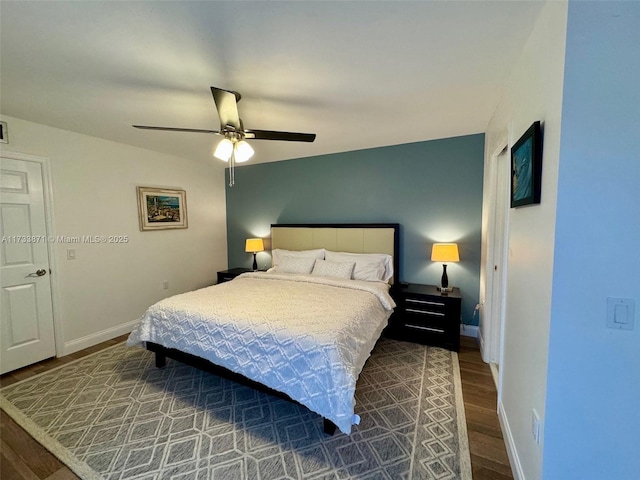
<point x="295" y="334"/>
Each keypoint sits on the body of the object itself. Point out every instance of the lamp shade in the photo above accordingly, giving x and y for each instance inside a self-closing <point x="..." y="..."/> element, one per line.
<point x="224" y="150"/>
<point x="445" y="252"/>
<point x="243" y="151"/>
<point x="254" y="245"/>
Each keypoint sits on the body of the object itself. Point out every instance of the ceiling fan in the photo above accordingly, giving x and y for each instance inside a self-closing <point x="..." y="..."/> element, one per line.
<point x="233" y="148"/>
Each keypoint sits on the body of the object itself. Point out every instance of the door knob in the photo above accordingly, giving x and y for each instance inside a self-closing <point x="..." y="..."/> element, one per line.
<point x="38" y="273"/>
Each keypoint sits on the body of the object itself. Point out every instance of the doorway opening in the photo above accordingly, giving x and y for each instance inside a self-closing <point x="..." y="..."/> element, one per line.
<point x="496" y="266"/>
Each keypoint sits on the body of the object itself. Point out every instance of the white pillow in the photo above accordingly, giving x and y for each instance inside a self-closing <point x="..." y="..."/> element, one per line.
<point x="277" y="253"/>
<point x="294" y="265"/>
<point x="324" y="268"/>
<point x="369" y="266"/>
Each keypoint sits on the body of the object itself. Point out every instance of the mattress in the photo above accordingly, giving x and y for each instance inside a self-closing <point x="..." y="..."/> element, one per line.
<point x="302" y="335"/>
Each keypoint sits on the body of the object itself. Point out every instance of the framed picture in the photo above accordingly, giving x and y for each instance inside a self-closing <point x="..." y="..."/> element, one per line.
<point x="526" y="168"/>
<point x="161" y="208"/>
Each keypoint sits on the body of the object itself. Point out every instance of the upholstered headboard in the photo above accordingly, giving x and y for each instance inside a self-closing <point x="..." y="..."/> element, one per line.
<point x="341" y="237"/>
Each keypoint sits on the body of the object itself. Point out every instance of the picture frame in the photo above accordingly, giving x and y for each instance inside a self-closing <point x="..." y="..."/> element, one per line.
<point x="161" y="208"/>
<point x="526" y="168"/>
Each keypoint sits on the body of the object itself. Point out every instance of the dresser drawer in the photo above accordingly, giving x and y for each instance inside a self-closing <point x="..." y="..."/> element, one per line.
<point x="426" y="307"/>
<point x="422" y="327"/>
<point x="227" y="275"/>
<point x="411" y="316"/>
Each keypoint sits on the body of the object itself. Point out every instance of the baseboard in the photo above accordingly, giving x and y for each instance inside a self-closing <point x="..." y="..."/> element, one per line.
<point x="514" y="460"/>
<point x="98" y="337"/>
<point x="469" y="330"/>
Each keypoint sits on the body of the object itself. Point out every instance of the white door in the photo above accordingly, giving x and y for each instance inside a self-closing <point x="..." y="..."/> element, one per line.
<point x="499" y="255"/>
<point x="26" y="310"/>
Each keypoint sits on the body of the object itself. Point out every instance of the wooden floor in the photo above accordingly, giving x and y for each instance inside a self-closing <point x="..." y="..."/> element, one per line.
<point x="489" y="459"/>
<point x="21" y="457"/>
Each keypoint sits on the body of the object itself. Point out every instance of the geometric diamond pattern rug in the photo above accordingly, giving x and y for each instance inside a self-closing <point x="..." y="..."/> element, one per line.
<point x="114" y="415"/>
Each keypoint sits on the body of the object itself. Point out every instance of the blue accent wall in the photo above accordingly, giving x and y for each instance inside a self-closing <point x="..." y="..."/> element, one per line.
<point x="432" y="189"/>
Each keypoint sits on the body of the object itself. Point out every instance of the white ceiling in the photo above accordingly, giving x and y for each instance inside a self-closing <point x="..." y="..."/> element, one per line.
<point x="358" y="74"/>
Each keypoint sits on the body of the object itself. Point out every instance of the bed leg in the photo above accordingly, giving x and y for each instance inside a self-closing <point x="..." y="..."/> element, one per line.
<point x="161" y="360"/>
<point x="328" y="427"/>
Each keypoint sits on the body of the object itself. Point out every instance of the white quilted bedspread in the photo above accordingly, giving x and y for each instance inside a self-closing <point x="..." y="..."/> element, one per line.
<point x="306" y="336"/>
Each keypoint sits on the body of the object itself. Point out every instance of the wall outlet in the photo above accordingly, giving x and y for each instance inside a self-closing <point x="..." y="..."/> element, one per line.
<point x="535" y="426"/>
<point x="165" y="285"/>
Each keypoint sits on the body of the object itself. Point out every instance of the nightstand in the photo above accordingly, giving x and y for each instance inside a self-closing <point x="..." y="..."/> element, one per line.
<point x="226" y="275"/>
<point x="425" y="316"/>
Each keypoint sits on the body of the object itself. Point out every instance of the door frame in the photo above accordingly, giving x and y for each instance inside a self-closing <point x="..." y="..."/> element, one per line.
<point x="492" y="345"/>
<point x="47" y="194"/>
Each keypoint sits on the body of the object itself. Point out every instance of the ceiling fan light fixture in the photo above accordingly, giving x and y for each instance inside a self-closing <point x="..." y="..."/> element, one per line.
<point x="233" y="148"/>
<point x="243" y="151"/>
<point x="224" y="150"/>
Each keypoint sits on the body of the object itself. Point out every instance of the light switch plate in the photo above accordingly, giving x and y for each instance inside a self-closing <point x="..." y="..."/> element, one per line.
<point x="620" y="313"/>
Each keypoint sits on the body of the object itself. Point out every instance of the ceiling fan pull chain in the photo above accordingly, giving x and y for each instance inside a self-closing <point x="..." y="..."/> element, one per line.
<point x="232" y="168"/>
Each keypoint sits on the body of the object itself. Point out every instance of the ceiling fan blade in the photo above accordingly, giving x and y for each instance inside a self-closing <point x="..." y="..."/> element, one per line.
<point x="273" y="135"/>
<point x="227" y="105"/>
<point x="175" y="129"/>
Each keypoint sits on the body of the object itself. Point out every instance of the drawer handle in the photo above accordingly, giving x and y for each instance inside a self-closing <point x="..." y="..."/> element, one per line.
<point x="429" y="329"/>
<point x="435" y="314"/>
<point x="228" y="278"/>
<point x="424" y="302"/>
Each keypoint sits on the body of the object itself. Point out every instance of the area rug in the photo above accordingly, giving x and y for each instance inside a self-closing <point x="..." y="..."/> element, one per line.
<point x="113" y="415"/>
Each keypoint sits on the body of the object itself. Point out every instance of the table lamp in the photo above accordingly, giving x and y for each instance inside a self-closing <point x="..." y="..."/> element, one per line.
<point x="254" y="245"/>
<point x="445" y="252"/>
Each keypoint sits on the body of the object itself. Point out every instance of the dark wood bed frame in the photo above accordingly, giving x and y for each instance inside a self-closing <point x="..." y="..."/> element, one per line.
<point x="162" y="353"/>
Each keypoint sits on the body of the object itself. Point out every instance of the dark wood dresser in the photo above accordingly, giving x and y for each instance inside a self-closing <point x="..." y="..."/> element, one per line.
<point x="424" y="315"/>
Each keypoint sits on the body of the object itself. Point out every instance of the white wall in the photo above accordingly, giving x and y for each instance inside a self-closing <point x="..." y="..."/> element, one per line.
<point x="109" y="286"/>
<point x="533" y="92"/>
<point x="593" y="390"/>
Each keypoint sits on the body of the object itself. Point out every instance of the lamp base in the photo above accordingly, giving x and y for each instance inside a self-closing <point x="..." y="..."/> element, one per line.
<point x="255" y="263"/>
<point x="444" y="281"/>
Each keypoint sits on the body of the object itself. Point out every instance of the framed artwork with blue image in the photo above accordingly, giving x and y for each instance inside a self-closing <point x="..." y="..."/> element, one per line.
<point x="526" y="168"/>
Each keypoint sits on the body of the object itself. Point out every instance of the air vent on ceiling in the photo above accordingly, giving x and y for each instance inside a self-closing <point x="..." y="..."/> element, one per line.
<point x="4" y="134"/>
